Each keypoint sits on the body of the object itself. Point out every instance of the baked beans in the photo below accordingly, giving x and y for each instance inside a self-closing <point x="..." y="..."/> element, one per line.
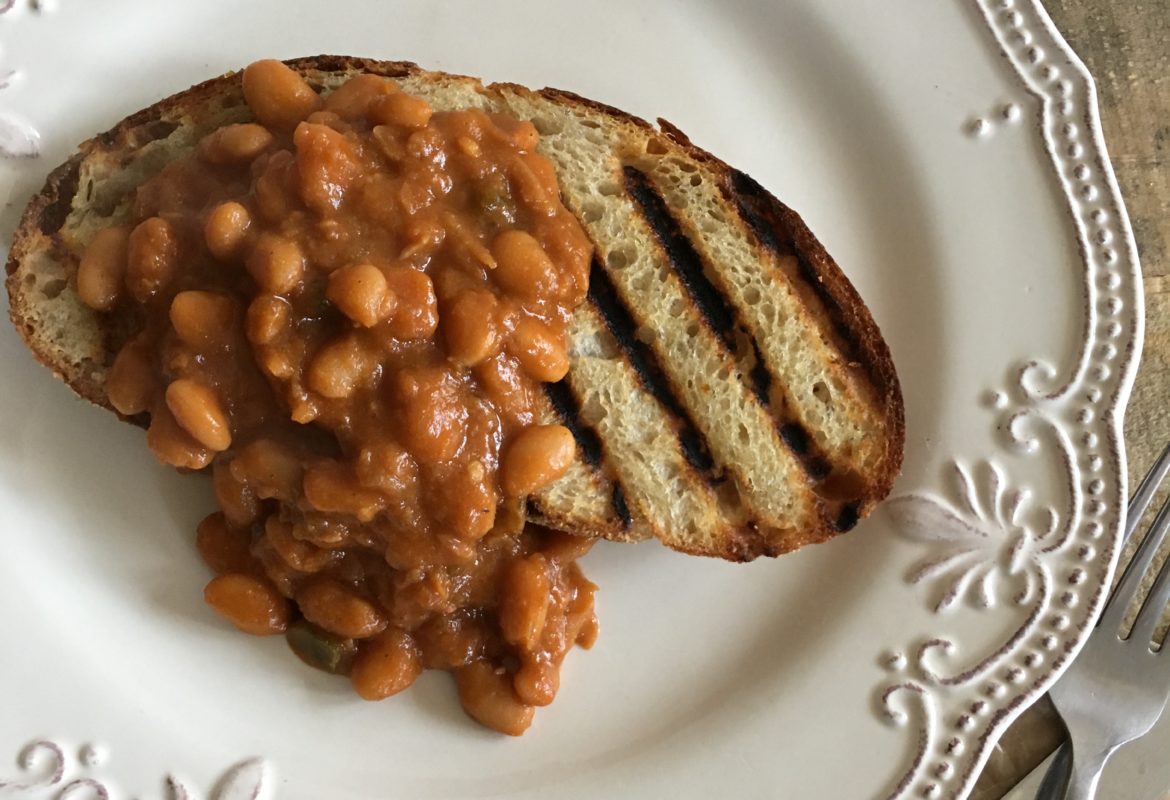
<point x="485" y="690"/>
<point x="399" y="109"/>
<point x="103" y="269"/>
<point x="277" y="95"/>
<point x="535" y="458"/>
<point x="540" y="350"/>
<point x="471" y="329"/>
<point x="386" y="665"/>
<point x="346" y="308"/>
<point x="417" y="313"/>
<point x="524" y="601"/>
<point x="268" y="317"/>
<point x="132" y="381"/>
<point x="226" y="229"/>
<point x="360" y="291"/>
<point x="203" y="320"/>
<point x="198" y="411"/>
<point x="352" y="99"/>
<point x="523" y="268"/>
<point x="235" y="143"/>
<point x="151" y="258"/>
<point x="269" y="469"/>
<point x="251" y="604"/>
<point x="223" y="548"/>
<point x="333" y="606"/>
<point x="276" y="264"/>
<point x="172" y="444"/>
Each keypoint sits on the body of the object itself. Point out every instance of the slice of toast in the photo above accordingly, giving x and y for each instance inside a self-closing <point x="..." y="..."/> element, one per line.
<point x="729" y="391"/>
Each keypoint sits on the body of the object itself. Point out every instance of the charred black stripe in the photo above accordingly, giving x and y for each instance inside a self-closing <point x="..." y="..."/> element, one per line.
<point x="721" y="316"/>
<point x="620" y="507"/>
<point x="564" y="402"/>
<point x="843" y="331"/>
<point x="716" y="310"/>
<point x="754" y="204"/>
<point x="621" y="325"/>
<point x="761" y="377"/>
<point x="749" y="196"/>
<point x="847" y="518"/>
<point x="67" y="177"/>
<point x="797" y="437"/>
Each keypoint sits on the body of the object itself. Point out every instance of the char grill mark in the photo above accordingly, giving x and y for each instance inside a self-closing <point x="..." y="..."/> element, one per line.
<point x="53" y="217"/>
<point x="800" y="442"/>
<point x="722" y="319"/>
<point x="761" y="376"/>
<point x="568" y="408"/>
<point x="565" y="404"/>
<point x="757" y="208"/>
<point x="715" y="309"/>
<point x="847" y="517"/>
<point x="623" y="327"/>
<point x="620" y="507"/>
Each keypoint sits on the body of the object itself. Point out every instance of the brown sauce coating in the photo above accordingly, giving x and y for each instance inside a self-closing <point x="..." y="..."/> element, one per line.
<point x="345" y="310"/>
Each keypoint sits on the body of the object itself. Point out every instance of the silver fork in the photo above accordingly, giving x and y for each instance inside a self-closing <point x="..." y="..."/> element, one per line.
<point x="1116" y="688"/>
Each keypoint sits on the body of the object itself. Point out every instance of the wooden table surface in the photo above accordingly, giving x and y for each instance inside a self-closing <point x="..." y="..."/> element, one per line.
<point x="1126" y="45"/>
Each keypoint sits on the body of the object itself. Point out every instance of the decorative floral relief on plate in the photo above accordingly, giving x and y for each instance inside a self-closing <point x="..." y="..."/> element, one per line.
<point x="49" y="772"/>
<point x="18" y="139"/>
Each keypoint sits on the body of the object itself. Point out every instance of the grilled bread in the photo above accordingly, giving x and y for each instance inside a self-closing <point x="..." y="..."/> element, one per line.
<point x="730" y="393"/>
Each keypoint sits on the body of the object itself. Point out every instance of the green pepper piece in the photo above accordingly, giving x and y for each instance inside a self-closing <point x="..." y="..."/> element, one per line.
<point x="320" y="649"/>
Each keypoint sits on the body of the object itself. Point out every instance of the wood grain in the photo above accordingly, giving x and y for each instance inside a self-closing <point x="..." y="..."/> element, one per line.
<point x="1126" y="47"/>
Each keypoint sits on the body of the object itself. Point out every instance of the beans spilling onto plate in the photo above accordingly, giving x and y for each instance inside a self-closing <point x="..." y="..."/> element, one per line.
<point x="344" y="305"/>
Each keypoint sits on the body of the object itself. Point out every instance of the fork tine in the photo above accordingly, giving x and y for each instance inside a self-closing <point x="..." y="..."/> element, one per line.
<point x="1131" y="581"/>
<point x="1137" y="507"/>
<point x="1155" y="602"/>
<point x="1146" y="491"/>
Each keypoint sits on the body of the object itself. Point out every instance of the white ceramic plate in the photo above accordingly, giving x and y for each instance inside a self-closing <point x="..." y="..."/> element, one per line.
<point x="949" y="156"/>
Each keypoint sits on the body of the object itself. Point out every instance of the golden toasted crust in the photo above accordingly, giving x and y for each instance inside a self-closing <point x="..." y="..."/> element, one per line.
<point x="690" y="486"/>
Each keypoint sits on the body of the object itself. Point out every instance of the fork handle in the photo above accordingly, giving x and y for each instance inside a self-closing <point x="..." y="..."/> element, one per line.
<point x="1085" y="774"/>
<point x="1055" y="779"/>
<point x="1075" y="781"/>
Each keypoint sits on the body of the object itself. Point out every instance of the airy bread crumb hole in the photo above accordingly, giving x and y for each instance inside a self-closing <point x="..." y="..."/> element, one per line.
<point x="730" y="501"/>
<point x="591" y="210"/>
<point x="822" y="392"/>
<point x="618" y="258"/>
<point x="52" y="289"/>
<point x="592" y="411"/>
<point x="547" y="126"/>
<point x="655" y="146"/>
<point x="608" y="347"/>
